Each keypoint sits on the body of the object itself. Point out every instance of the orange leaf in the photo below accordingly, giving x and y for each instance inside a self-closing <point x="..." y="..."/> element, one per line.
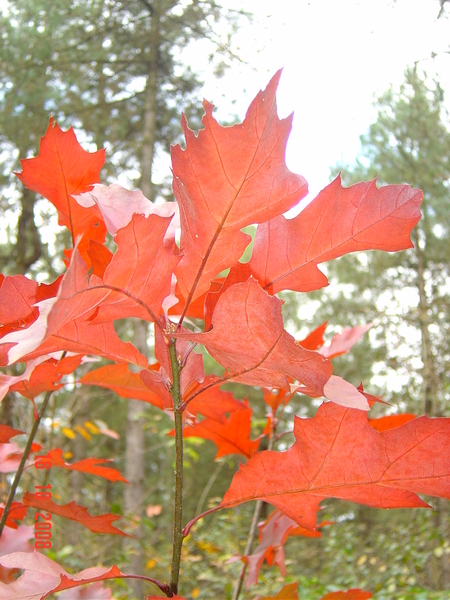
<point x="62" y="169"/>
<point x="123" y="382"/>
<point x="232" y="436"/>
<point x="338" y="455"/>
<point x="225" y="179"/>
<point x="75" y="512"/>
<point x="338" y="221"/>
<point x="256" y="349"/>
<point x="87" y="465"/>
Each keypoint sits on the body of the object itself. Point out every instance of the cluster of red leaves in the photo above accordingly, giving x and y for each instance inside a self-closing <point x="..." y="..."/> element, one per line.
<point x="225" y="179"/>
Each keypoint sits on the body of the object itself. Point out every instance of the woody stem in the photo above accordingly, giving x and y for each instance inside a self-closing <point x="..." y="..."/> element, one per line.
<point x="178" y="535"/>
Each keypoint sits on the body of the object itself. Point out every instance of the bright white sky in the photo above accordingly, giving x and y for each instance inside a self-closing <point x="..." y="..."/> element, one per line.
<point x="337" y="55"/>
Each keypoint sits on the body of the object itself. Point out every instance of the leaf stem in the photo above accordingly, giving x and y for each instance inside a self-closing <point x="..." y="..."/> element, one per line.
<point x="178" y="535"/>
<point x="23" y="460"/>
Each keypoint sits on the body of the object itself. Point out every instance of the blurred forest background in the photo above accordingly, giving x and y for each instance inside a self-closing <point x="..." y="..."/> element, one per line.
<point x="115" y="71"/>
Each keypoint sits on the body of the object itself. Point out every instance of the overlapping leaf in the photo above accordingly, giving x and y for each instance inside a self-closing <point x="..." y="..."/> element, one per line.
<point x="338" y="221"/>
<point x="123" y="382"/>
<point x="338" y="455"/>
<point x="18" y="298"/>
<point x="225" y="179"/>
<point x="248" y="338"/>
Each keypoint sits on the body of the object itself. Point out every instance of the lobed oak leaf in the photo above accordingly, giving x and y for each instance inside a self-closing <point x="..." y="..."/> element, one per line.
<point x="225" y="179"/>
<point x="338" y="455"/>
<point x="248" y="339"/>
<point x="338" y="221"/>
<point x="134" y="284"/>
<point x="87" y="465"/>
<point x="75" y="512"/>
<point x="62" y="169"/>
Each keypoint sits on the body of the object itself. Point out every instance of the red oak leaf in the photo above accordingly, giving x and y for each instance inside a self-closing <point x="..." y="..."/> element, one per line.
<point x="249" y="340"/>
<point x="231" y="436"/>
<point x="123" y="382"/>
<point x="338" y="455"/>
<point x="134" y="283"/>
<point x="62" y="169"/>
<point x="75" y="512"/>
<point x="87" y="465"/>
<point x="338" y="221"/>
<point x="225" y="179"/>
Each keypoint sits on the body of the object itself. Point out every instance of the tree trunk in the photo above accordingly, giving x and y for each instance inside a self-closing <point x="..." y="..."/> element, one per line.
<point x="150" y="106"/>
<point x="429" y="389"/>
<point x="27" y="249"/>
<point x="441" y="574"/>
<point x="135" y="472"/>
